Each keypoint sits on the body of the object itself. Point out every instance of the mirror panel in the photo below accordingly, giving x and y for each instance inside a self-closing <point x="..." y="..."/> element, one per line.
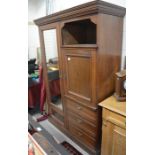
<point x="51" y="51"/>
<point x="50" y="41"/>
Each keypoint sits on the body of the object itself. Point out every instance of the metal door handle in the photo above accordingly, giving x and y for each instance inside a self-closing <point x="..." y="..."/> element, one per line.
<point x="68" y="58"/>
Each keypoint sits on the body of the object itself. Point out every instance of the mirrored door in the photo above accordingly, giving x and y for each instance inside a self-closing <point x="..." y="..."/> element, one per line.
<point x="52" y="61"/>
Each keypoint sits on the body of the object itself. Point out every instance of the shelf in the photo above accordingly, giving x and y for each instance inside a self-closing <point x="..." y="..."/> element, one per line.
<point x="79" y="32"/>
<point x="80" y="46"/>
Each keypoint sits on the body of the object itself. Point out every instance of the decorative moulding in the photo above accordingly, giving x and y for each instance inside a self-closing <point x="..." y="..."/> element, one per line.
<point x="85" y="9"/>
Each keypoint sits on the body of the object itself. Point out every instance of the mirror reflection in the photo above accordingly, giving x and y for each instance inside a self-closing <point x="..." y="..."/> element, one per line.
<point x="51" y="51"/>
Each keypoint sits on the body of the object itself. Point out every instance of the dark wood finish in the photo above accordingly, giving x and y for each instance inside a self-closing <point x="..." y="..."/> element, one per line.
<point x="78" y="72"/>
<point x="81" y="110"/>
<point x="80" y="46"/>
<point x="79" y="32"/>
<point x="120" y="91"/>
<point x="83" y="124"/>
<point x="90" y="8"/>
<point x="89" y="40"/>
<point x="81" y="136"/>
<point x="109" y="53"/>
<point x="51" y="108"/>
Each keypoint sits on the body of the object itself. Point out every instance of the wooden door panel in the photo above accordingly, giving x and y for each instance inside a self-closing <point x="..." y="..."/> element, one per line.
<point x="78" y="74"/>
<point x="78" y="69"/>
<point x="113" y="140"/>
<point x="119" y="142"/>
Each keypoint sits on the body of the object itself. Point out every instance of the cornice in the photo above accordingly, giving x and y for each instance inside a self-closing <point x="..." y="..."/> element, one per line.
<point x="85" y="9"/>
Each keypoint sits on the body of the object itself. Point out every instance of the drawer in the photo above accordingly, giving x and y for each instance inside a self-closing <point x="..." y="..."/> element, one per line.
<point x="81" y="136"/>
<point x="114" y="118"/>
<point x="82" y="124"/>
<point x="81" y="111"/>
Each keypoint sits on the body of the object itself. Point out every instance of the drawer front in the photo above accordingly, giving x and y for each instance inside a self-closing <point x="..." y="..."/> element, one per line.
<point x="81" y="111"/>
<point x="114" y="118"/>
<point x="81" y="136"/>
<point x="82" y="124"/>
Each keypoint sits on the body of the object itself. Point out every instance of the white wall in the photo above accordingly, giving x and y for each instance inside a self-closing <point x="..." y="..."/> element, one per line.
<point x="63" y="4"/>
<point x="37" y="8"/>
<point x="124" y="44"/>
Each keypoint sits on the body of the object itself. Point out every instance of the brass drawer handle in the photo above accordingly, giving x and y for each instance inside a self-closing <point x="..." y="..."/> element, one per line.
<point x="80" y="134"/>
<point x="79" y="121"/>
<point x="79" y="108"/>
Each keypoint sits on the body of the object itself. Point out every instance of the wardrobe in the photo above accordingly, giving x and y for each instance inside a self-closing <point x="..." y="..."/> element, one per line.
<point x="88" y="42"/>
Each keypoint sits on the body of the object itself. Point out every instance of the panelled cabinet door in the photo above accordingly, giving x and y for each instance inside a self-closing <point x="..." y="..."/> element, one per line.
<point x="113" y="140"/>
<point x="79" y="74"/>
<point x="119" y="141"/>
